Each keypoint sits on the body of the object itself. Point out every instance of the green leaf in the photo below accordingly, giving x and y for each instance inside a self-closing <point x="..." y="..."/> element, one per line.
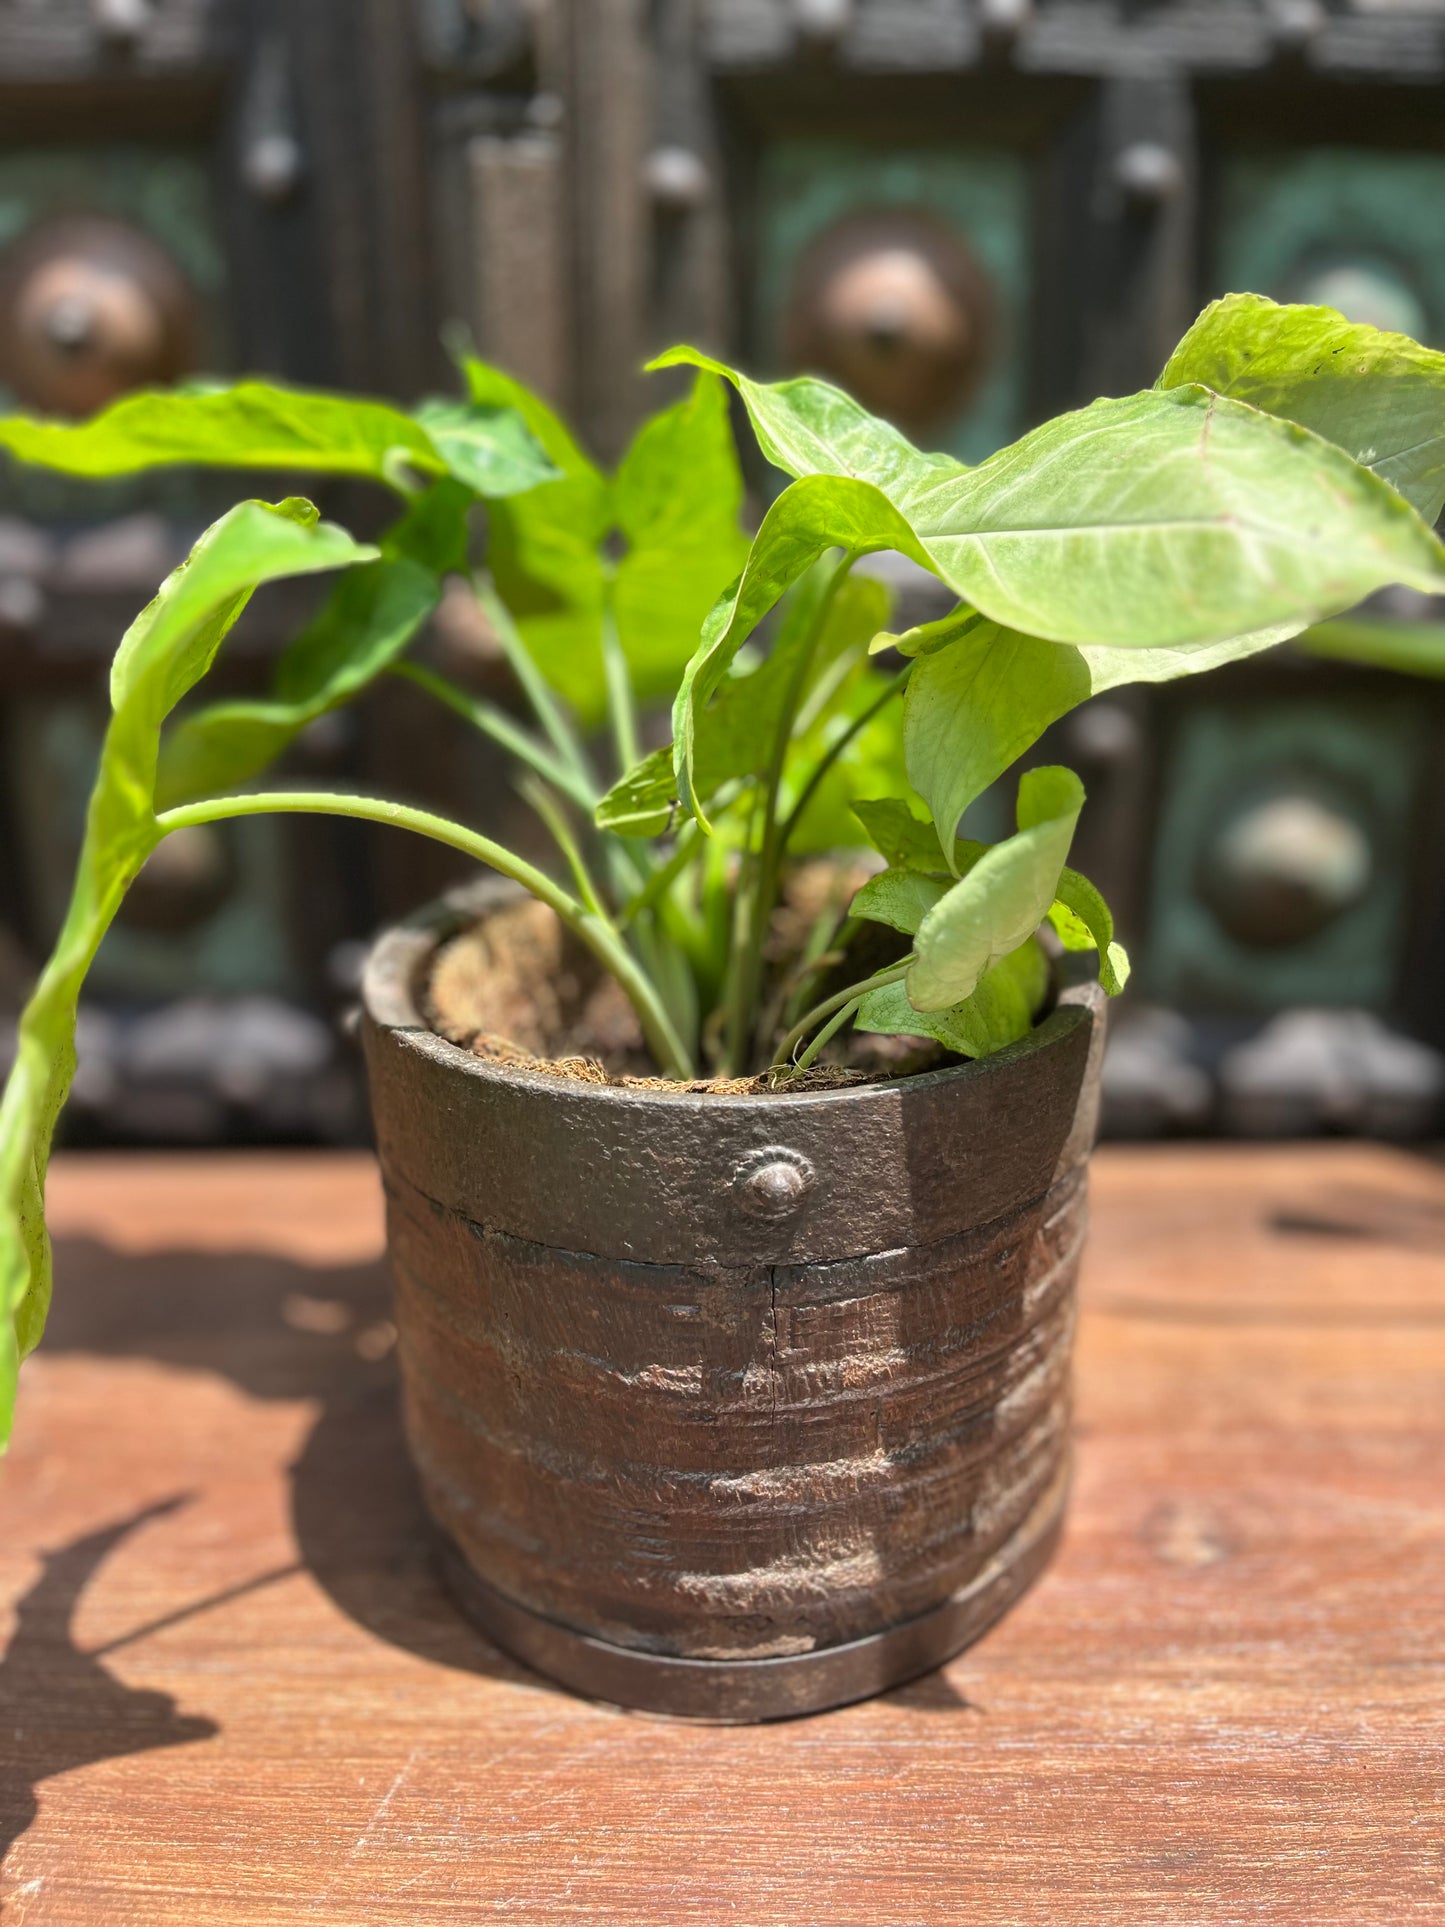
<point x="370" y="617"/>
<point x="807" y="520"/>
<point x="808" y="427"/>
<point x="168" y="648"/>
<point x="973" y="708"/>
<point x="643" y="802"/>
<point x="736" y="729"/>
<point x="368" y="620"/>
<point x="491" y="450"/>
<point x="926" y="637"/>
<point x="1004" y="897"/>
<point x="255" y="424"/>
<point x="1083" y="921"/>
<point x="1001" y="1009"/>
<point x="903" y="840"/>
<point x="544" y="549"/>
<point x="1162" y="520"/>
<point x="1378" y="396"/>
<point x="678" y="496"/>
<point x="674" y="502"/>
<point x="734" y="732"/>
<point x="899" y="898"/>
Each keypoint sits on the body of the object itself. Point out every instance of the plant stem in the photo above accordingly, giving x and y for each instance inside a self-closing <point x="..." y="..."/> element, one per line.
<point x="835" y="750"/>
<point x="545" y="706"/>
<point x="596" y="932"/>
<point x="497" y="724"/>
<point x="760" y="891"/>
<point x="662" y="877"/>
<point x="550" y="810"/>
<point x="834" y="1024"/>
<point x="621" y="704"/>
<point x="853" y="994"/>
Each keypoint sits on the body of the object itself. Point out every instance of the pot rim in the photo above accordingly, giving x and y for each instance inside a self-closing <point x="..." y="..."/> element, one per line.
<point x="400" y="954"/>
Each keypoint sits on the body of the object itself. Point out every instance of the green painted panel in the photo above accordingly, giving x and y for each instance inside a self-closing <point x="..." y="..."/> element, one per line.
<point x="1352" y="227"/>
<point x="1362" y="760"/>
<point x="807" y="185"/>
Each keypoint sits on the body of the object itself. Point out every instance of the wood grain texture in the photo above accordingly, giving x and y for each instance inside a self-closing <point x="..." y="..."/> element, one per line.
<point x="235" y="1692"/>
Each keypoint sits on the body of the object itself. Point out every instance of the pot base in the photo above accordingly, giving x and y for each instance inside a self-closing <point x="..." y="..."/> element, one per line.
<point x="735" y="1692"/>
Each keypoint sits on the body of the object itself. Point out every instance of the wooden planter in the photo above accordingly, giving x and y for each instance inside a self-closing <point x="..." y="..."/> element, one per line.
<point x="732" y="1407"/>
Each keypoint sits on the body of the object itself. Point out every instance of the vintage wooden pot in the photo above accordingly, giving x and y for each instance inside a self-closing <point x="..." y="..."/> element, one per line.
<point x="732" y="1407"/>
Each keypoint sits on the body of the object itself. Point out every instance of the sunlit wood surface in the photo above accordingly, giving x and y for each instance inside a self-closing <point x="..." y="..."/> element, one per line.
<point x="233" y="1691"/>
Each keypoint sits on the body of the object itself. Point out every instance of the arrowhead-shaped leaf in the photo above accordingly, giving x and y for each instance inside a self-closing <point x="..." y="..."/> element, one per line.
<point x="1001" y="1009"/>
<point x="1168" y="519"/>
<point x="1378" y="396"/>
<point x="257" y="424"/>
<point x="815" y="515"/>
<point x="1004" y="897"/>
<point x="1083" y="921"/>
<point x="168" y="648"/>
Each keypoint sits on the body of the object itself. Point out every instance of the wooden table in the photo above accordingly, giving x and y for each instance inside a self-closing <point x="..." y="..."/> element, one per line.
<point x="235" y="1693"/>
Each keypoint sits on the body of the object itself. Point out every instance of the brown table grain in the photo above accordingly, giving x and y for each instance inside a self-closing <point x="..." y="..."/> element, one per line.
<point x="233" y="1691"/>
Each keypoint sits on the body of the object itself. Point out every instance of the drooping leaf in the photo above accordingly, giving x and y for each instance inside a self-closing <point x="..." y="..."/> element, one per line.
<point x="1001" y="1010"/>
<point x="1378" y="396"/>
<point x="367" y="621"/>
<point x="813" y="516"/>
<point x="972" y="709"/>
<point x="1004" y="897"/>
<point x="1083" y="921"/>
<point x="256" y="424"/>
<point x="166" y="651"/>
<point x="1168" y="519"/>
<point x="365" y="624"/>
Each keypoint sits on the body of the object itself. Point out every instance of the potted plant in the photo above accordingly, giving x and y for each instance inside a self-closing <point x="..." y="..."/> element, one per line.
<point x="738" y="1385"/>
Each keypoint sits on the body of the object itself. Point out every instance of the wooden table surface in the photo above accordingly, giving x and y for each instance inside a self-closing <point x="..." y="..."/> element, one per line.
<point x="233" y="1691"/>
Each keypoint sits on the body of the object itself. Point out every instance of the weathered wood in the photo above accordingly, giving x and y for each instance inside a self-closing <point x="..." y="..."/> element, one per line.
<point x="666" y="1410"/>
<point x="1222" y="1703"/>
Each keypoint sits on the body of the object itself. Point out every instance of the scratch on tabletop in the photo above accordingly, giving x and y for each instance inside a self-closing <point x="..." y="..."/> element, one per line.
<point x="385" y="1802"/>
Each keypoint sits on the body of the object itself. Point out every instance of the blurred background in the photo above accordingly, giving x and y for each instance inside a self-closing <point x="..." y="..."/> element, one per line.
<point x="973" y="213"/>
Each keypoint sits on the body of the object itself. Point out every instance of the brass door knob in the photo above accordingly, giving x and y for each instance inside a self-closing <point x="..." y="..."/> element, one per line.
<point x="892" y="306"/>
<point x="90" y="308"/>
<point x="1284" y="869"/>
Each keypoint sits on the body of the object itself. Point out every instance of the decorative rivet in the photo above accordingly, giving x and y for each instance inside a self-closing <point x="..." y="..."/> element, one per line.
<point x="772" y="1183"/>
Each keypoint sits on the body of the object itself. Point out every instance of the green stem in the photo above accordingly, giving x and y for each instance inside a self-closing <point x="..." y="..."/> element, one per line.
<point x="598" y="935"/>
<point x="502" y="729"/>
<point x="835" y="750"/>
<point x="760" y="891"/>
<point x="834" y="1024"/>
<point x="855" y="993"/>
<point x="545" y="706"/>
<point x="621" y="703"/>
<point x="541" y="799"/>
<point x="663" y="877"/>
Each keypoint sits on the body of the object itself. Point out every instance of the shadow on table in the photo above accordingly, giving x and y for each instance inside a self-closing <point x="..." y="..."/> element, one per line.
<point x="60" y="1706"/>
<point x="277" y="1330"/>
